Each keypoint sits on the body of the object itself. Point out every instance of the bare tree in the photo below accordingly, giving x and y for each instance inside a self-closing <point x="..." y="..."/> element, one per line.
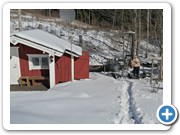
<point x="139" y="33"/>
<point x="90" y="18"/>
<point x="50" y="13"/>
<point x="122" y="20"/>
<point x="19" y="20"/>
<point x="122" y="30"/>
<point x="136" y="31"/>
<point x="114" y="19"/>
<point x="161" y="44"/>
<point x="147" y="33"/>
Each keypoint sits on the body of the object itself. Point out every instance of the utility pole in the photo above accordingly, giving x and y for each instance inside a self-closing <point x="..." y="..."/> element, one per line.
<point x="19" y="20"/>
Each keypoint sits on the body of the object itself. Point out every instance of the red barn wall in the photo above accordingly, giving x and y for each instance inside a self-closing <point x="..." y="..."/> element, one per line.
<point x="81" y="66"/>
<point x="24" y="63"/>
<point x="62" y="68"/>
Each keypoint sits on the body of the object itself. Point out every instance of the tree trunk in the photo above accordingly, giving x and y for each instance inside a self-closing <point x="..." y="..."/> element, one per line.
<point x="19" y="20"/>
<point x="49" y="12"/>
<point x="136" y="32"/>
<point x="139" y="33"/>
<point x="114" y="19"/>
<point x="132" y="18"/>
<point x="132" y="45"/>
<point x="161" y="45"/>
<point x="150" y="22"/>
<point x="147" y="33"/>
<point x="122" y="20"/>
<point x="90" y="17"/>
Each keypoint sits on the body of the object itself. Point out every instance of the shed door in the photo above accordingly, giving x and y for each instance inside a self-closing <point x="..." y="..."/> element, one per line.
<point x="81" y="66"/>
<point x="14" y="65"/>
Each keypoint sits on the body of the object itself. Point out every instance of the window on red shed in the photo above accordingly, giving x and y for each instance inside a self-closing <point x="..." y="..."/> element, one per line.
<point x="38" y="61"/>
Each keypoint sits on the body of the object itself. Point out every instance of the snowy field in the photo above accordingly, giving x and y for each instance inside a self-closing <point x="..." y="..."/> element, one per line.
<point x="98" y="100"/>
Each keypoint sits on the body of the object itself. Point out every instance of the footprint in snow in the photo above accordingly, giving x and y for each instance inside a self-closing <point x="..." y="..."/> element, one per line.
<point x="83" y="95"/>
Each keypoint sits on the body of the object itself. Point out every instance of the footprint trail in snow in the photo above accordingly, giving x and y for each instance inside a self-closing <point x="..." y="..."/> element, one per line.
<point x="128" y="112"/>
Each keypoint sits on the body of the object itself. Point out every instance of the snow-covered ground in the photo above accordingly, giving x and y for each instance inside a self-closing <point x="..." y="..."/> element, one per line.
<point x="100" y="99"/>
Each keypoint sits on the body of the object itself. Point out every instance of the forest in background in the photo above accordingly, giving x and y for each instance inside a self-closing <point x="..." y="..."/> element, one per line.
<point x="121" y="19"/>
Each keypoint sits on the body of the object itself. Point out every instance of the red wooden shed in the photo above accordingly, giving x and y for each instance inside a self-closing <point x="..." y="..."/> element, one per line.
<point x="38" y="53"/>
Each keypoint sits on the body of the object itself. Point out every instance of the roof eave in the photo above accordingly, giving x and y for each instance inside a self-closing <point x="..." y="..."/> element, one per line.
<point x="73" y="54"/>
<point x="15" y="40"/>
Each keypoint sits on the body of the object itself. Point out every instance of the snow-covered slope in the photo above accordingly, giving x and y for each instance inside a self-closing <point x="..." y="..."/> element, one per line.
<point x="103" y="45"/>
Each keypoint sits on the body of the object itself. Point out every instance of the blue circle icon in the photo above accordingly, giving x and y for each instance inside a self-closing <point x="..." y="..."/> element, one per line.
<point x="167" y="114"/>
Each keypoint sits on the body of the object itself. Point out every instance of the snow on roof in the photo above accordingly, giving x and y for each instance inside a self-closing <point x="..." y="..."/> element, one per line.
<point x="48" y="40"/>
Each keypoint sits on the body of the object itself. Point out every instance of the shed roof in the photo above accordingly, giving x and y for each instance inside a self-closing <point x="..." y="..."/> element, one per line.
<point x="45" y="42"/>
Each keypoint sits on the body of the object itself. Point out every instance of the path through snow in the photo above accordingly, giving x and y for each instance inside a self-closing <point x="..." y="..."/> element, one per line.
<point x="128" y="111"/>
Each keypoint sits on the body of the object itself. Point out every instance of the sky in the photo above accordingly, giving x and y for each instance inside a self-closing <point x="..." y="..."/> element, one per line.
<point x="175" y="72"/>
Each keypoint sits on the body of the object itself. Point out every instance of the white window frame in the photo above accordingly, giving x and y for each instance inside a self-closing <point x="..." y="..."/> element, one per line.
<point x="40" y="56"/>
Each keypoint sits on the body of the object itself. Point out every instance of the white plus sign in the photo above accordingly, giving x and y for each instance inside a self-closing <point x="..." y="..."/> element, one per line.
<point x="167" y="114"/>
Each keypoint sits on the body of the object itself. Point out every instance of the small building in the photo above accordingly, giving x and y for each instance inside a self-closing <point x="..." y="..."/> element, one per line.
<point x="38" y="53"/>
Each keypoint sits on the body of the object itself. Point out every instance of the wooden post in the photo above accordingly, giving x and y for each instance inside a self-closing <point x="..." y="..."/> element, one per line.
<point x="104" y="67"/>
<point x="161" y="69"/>
<point x="52" y="70"/>
<point x="72" y="68"/>
<point x="152" y="66"/>
<point x="80" y="41"/>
